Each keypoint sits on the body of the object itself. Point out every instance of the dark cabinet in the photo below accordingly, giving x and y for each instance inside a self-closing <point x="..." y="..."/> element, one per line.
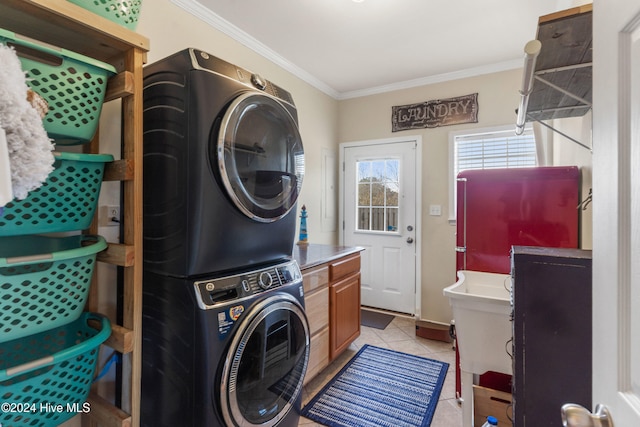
<point x="551" y="333"/>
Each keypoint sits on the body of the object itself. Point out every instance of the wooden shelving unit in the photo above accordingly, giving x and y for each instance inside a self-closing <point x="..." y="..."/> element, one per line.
<point x="63" y="24"/>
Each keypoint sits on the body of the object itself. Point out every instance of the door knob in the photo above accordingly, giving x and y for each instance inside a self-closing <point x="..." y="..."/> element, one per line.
<point x="577" y="416"/>
<point x="409" y="239"/>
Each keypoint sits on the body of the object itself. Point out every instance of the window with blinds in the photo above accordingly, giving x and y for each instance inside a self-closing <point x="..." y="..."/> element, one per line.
<point x="502" y="149"/>
<point x="488" y="149"/>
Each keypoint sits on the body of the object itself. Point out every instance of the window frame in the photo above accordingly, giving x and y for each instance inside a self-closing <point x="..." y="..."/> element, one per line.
<point x="453" y="135"/>
<point x="385" y="207"/>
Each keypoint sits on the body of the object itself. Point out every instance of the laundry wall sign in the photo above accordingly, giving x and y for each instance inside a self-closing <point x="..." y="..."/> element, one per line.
<point x="431" y="114"/>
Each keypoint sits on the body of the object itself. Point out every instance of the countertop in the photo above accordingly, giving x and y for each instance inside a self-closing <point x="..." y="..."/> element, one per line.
<point x="311" y="255"/>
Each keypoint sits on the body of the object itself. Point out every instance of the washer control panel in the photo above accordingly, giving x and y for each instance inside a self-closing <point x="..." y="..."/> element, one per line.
<point x="224" y="290"/>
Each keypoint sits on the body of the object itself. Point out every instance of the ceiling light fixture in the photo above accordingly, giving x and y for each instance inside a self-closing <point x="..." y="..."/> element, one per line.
<point x="357" y="1"/>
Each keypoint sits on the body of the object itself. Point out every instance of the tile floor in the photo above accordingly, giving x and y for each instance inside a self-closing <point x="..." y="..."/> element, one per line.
<point x="399" y="335"/>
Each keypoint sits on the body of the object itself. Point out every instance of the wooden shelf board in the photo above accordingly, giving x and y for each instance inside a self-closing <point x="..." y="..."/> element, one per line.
<point x="118" y="254"/>
<point x="566" y="38"/>
<point x="66" y="25"/>
<point x="119" y="170"/>
<point x="121" y="339"/>
<point x="119" y="86"/>
<point x="106" y="414"/>
<point x="566" y="13"/>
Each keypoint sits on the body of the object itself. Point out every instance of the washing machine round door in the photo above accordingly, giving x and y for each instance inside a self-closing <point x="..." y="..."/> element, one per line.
<point x="263" y="374"/>
<point x="260" y="157"/>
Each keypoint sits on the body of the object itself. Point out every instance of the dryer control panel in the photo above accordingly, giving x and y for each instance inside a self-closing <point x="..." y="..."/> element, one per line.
<point x="205" y="61"/>
<point x="219" y="291"/>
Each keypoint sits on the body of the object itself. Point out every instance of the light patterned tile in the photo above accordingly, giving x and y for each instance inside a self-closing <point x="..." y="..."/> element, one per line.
<point x="434" y="345"/>
<point x="392" y="334"/>
<point x="449" y="387"/>
<point x="448" y="414"/>
<point x="410" y="347"/>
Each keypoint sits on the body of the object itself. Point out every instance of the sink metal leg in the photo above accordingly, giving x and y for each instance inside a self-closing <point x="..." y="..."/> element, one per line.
<point x="467" y="398"/>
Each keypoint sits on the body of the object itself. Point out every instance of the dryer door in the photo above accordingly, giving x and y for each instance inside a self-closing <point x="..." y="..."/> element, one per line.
<point x="260" y="157"/>
<point x="265" y="367"/>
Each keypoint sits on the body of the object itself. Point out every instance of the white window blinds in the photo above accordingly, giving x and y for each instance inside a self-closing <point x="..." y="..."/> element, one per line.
<point x="488" y="148"/>
<point x="491" y="150"/>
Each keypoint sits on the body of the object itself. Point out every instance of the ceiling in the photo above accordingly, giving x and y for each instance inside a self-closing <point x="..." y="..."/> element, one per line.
<point x="348" y="49"/>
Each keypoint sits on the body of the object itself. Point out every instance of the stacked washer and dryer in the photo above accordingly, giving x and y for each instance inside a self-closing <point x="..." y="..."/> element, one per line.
<point x="225" y="336"/>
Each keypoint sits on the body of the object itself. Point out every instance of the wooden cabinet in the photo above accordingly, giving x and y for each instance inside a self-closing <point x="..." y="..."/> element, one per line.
<point x="71" y="27"/>
<point x="332" y="304"/>
<point x="344" y="303"/>
<point x="551" y="333"/>
<point x="316" y="301"/>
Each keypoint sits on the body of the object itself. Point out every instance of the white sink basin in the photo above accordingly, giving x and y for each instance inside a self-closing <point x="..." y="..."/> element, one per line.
<point x="481" y="309"/>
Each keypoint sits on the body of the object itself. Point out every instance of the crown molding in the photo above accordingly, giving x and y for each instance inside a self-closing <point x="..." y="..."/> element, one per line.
<point x="195" y="8"/>
<point x="198" y="10"/>
<point x="438" y="78"/>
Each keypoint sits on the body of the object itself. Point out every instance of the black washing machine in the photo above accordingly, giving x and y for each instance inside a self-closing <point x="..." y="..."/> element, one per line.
<point x="223" y="167"/>
<point x="224" y="351"/>
<point x="225" y="337"/>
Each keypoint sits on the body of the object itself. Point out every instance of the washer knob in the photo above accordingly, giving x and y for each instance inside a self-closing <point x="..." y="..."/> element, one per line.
<point x="258" y="81"/>
<point x="265" y="280"/>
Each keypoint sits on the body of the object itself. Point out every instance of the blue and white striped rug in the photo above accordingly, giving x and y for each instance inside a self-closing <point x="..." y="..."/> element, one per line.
<point x="380" y="387"/>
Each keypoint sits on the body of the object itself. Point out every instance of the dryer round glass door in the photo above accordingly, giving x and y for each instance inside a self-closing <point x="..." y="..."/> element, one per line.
<point x="267" y="360"/>
<point x="260" y="156"/>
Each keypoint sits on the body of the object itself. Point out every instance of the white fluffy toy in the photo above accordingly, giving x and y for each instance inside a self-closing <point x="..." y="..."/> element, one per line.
<point x="28" y="145"/>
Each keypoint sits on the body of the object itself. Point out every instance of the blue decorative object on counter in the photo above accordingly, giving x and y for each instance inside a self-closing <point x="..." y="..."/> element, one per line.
<point x="303" y="227"/>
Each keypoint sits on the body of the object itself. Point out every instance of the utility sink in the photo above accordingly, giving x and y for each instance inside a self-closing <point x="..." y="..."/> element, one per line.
<point x="481" y="309"/>
<point x="481" y="304"/>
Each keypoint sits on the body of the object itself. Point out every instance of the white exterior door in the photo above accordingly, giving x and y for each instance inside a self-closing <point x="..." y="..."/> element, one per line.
<point x="616" y="213"/>
<point x="380" y="181"/>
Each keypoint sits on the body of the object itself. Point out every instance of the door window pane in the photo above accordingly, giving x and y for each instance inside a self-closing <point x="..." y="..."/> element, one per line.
<point x="377" y="219"/>
<point x="364" y="194"/>
<point x="378" y="190"/>
<point x="392" y="219"/>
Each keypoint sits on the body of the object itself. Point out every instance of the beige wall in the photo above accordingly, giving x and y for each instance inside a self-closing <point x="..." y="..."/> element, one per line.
<point x="567" y="152"/>
<point x="171" y="29"/>
<point x="326" y="122"/>
<point x="370" y="118"/>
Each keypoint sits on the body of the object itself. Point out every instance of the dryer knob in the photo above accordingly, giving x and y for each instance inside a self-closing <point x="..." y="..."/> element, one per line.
<point x="258" y="81"/>
<point x="265" y="280"/>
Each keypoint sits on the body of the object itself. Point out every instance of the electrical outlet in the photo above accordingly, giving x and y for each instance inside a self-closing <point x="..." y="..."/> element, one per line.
<point x="112" y="215"/>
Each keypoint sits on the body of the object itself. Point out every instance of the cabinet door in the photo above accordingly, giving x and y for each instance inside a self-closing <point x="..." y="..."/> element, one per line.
<point x="551" y="332"/>
<point x="318" y="354"/>
<point x="345" y="313"/>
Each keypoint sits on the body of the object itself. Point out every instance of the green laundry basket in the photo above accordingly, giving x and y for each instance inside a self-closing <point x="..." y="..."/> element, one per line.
<point x="73" y="85"/>
<point x="45" y="378"/>
<point x="44" y="281"/>
<point x="123" y="12"/>
<point x="65" y="202"/>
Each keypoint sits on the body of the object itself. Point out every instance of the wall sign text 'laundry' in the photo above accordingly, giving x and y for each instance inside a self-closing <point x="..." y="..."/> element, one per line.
<point x="431" y="114"/>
